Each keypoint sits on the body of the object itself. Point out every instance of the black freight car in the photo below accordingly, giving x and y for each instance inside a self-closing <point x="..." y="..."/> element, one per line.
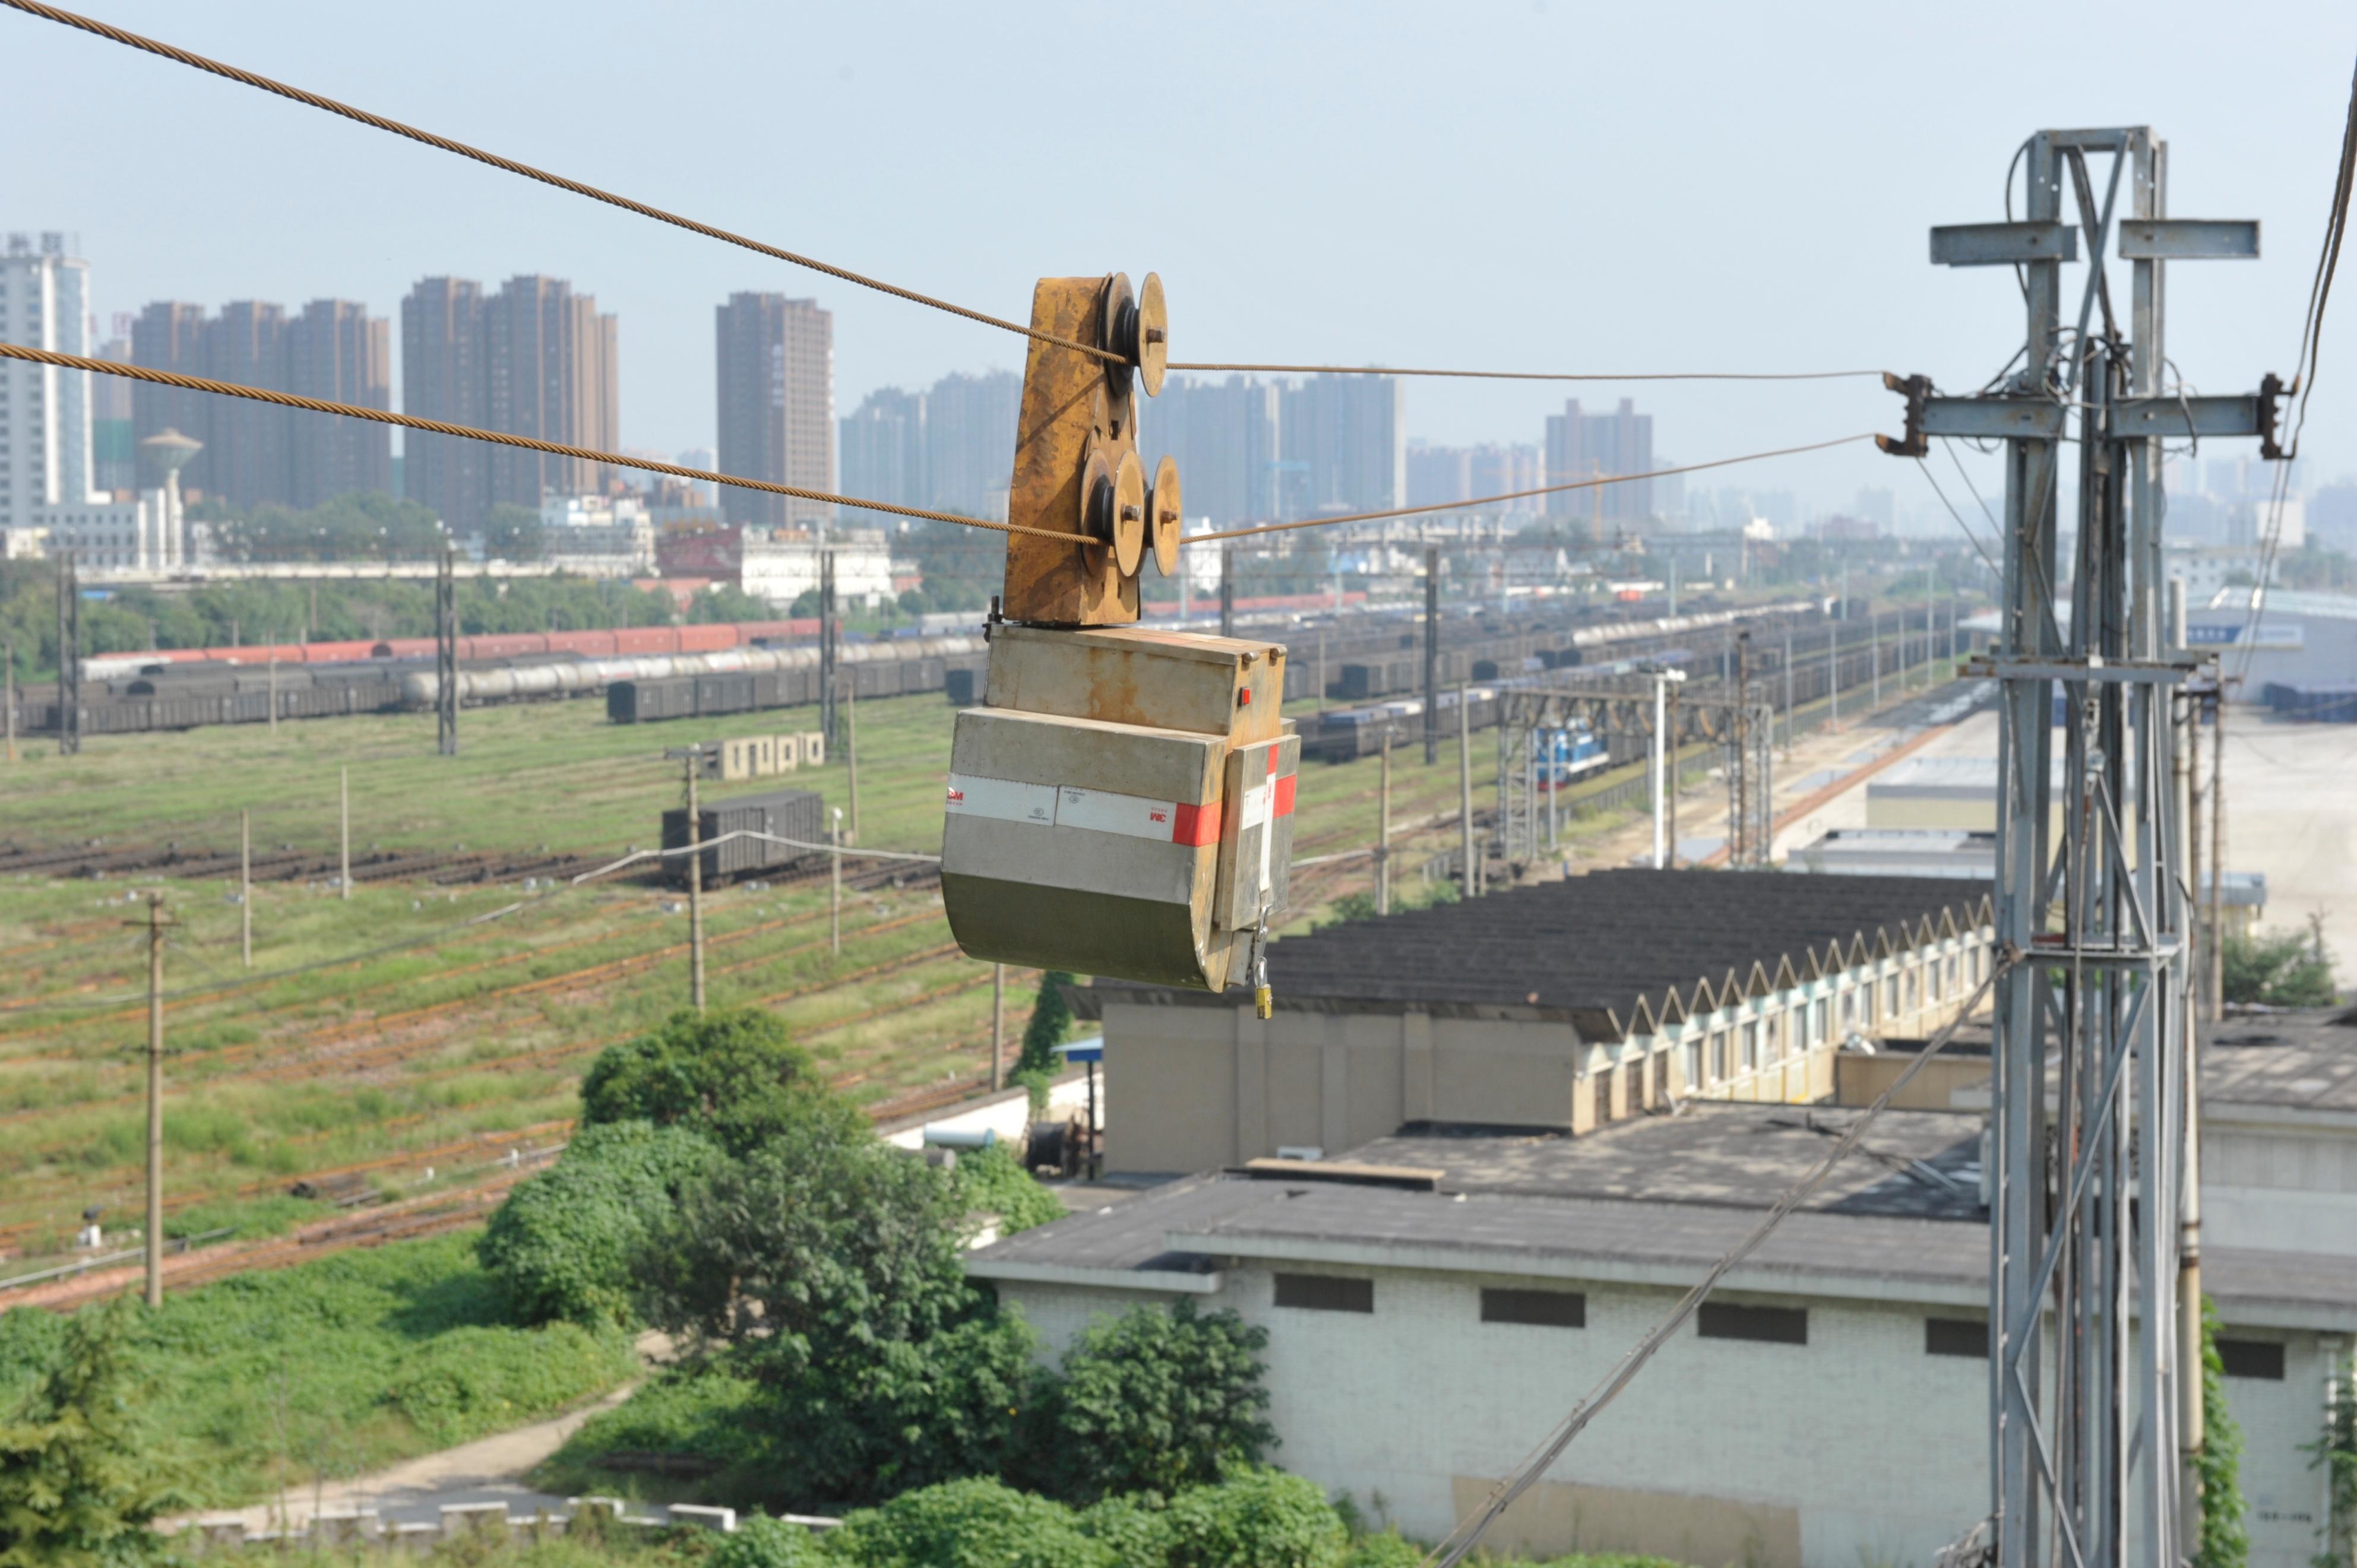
<point x="797" y="815"/>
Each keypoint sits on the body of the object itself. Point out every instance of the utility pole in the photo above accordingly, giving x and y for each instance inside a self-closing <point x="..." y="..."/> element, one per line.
<point x="1431" y="654"/>
<point x="245" y="887"/>
<point x="1464" y="788"/>
<point x="2091" y="1457"/>
<point x="1874" y="636"/>
<point x="1670" y="748"/>
<point x="69" y="659"/>
<point x="2217" y="850"/>
<point x="997" y="1024"/>
<point x="692" y="760"/>
<point x="155" y="1100"/>
<point x="835" y="893"/>
<point x="344" y="831"/>
<point x="851" y="749"/>
<point x="828" y="630"/>
<point x="1384" y="830"/>
<point x="1738" y="765"/>
<point x="1227" y="590"/>
<point x="8" y="700"/>
<point x="1832" y="670"/>
<point x="1788" y="693"/>
<point x="446" y="653"/>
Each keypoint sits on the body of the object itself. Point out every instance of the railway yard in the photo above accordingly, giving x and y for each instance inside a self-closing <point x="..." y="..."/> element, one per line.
<point x="404" y="1047"/>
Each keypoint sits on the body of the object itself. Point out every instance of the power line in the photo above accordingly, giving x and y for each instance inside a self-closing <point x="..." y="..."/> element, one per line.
<point x="498" y="437"/>
<point x="1469" y="1530"/>
<point x="1518" y="495"/>
<point x="1521" y="375"/>
<point x="655" y="466"/>
<point x="444" y="143"/>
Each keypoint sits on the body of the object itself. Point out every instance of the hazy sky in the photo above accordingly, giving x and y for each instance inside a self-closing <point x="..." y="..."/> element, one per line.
<point x="1535" y="185"/>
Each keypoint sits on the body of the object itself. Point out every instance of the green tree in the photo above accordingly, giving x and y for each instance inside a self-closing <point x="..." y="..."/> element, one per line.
<point x="727" y="602"/>
<point x="1152" y="1401"/>
<point x="733" y="1075"/>
<point x="762" y="1542"/>
<point x="514" y="533"/>
<point x="2283" y="970"/>
<point x="2336" y="1455"/>
<point x="826" y="1265"/>
<point x="991" y="1182"/>
<point x="79" y="1484"/>
<point x="1262" y="1517"/>
<point x="2225" y="1541"/>
<point x="565" y="1243"/>
<point x="1050" y="1025"/>
<point x="974" y="1523"/>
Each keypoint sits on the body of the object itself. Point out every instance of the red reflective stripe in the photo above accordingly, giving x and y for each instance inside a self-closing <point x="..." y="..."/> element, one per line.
<point x="1196" y="825"/>
<point x="1284" y="795"/>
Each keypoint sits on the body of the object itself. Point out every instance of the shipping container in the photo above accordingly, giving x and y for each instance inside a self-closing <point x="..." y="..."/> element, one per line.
<point x="798" y="814"/>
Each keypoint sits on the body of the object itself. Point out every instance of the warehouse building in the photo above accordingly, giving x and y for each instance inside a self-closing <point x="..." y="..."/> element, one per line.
<point x="1436" y="1300"/>
<point x="1566" y="1005"/>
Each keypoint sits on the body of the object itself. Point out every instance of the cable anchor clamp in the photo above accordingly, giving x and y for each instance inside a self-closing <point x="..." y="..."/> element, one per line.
<point x="2272" y="392"/>
<point x="1917" y="391"/>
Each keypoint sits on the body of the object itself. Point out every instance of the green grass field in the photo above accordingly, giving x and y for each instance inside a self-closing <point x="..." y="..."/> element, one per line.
<point x="408" y="1039"/>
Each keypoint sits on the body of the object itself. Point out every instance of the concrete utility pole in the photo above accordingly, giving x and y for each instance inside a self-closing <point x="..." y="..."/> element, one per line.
<point x="155" y="1100"/>
<point x="1788" y="694"/>
<point x="69" y="659"/>
<point x="1832" y="671"/>
<point x="1874" y="635"/>
<point x="997" y="1024"/>
<point x="1666" y="681"/>
<point x="692" y="759"/>
<point x="851" y="749"/>
<point x="344" y="833"/>
<point x="1383" y="832"/>
<point x="1431" y="654"/>
<point x="1227" y="590"/>
<point x="828" y="630"/>
<point x="1464" y="788"/>
<point x="2217" y="850"/>
<point x="445" y="652"/>
<point x="245" y="887"/>
<point x="835" y="896"/>
<point x="1671" y="748"/>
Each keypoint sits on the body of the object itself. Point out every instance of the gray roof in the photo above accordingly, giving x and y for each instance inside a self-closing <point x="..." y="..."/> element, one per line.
<point x="2304" y="1060"/>
<point x="1614" y="952"/>
<point x="1650" y="1202"/>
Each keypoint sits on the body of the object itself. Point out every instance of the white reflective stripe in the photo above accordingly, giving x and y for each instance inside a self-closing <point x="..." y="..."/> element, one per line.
<point x="1259" y="808"/>
<point x="1002" y="799"/>
<point x="1101" y="811"/>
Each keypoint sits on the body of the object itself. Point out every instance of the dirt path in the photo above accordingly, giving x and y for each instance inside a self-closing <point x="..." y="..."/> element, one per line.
<point x="488" y="1470"/>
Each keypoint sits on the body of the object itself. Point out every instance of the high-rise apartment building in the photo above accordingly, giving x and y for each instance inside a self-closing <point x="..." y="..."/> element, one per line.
<point x="776" y="364"/>
<point x="255" y="454"/>
<point x="45" y="415"/>
<point x="1588" y="445"/>
<point x="1225" y="436"/>
<point x="970" y="441"/>
<point x="535" y="360"/>
<point x="336" y="350"/>
<point x="1439" y="475"/>
<point x="114" y="443"/>
<point x="883" y="444"/>
<point x="1345" y="442"/>
<point x="551" y="366"/>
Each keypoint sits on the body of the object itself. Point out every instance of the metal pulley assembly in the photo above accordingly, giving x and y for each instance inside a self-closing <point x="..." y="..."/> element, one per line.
<point x="1121" y="804"/>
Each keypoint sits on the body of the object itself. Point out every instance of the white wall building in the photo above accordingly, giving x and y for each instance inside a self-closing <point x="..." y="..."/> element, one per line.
<point x="781" y="565"/>
<point x="45" y="431"/>
<point x="598" y="536"/>
<point x="1437" y="1301"/>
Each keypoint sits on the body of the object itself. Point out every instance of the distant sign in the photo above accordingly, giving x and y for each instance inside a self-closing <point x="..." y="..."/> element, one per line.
<point x="2279" y="634"/>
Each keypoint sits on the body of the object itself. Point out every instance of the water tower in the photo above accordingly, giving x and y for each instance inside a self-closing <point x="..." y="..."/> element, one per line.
<point x="170" y="451"/>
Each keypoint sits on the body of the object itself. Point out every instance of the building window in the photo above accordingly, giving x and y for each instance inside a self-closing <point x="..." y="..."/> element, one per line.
<point x="1956" y="1336"/>
<point x="1848" y="1010"/>
<point x="2252" y="1359"/>
<point x="1693" y="1064"/>
<point x="1952" y="976"/>
<point x="1325" y="1292"/>
<point x="1660" y="1096"/>
<point x="1824" y="1018"/>
<point x="1890" y="998"/>
<point x="1768" y="1324"/>
<point x="1603" y="1095"/>
<point x="1750" y="1044"/>
<point x="1547" y="1308"/>
<point x="1911" y="988"/>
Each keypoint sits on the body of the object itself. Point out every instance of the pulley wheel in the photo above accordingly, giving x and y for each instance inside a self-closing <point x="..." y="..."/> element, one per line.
<point x="1129" y="514"/>
<point x="1151" y="344"/>
<point x="1164" y="515"/>
<point x="1117" y="335"/>
<point x="1097" y="509"/>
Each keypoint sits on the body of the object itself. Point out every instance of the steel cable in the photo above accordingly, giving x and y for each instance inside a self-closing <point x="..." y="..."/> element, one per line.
<point x="1518" y="375"/>
<point x="706" y="475"/>
<point x="500" y="437"/>
<point x="1519" y="495"/>
<point x="510" y="166"/>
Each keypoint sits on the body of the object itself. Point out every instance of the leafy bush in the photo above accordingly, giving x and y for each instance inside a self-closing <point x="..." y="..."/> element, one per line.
<point x="1265" y="1518"/>
<point x="762" y="1541"/>
<point x="565" y="1243"/>
<point x="1387" y="1548"/>
<point x="2284" y="969"/>
<point x="989" y="1181"/>
<point x="77" y="1480"/>
<point x="828" y="1265"/>
<point x="973" y="1523"/>
<point x="703" y="1411"/>
<point x="1051" y="1020"/>
<point x="2225" y="1539"/>
<point x="733" y="1075"/>
<point x="1152" y="1401"/>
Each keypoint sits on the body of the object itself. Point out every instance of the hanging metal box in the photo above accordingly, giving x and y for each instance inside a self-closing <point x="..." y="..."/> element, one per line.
<point x="1122" y="806"/>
